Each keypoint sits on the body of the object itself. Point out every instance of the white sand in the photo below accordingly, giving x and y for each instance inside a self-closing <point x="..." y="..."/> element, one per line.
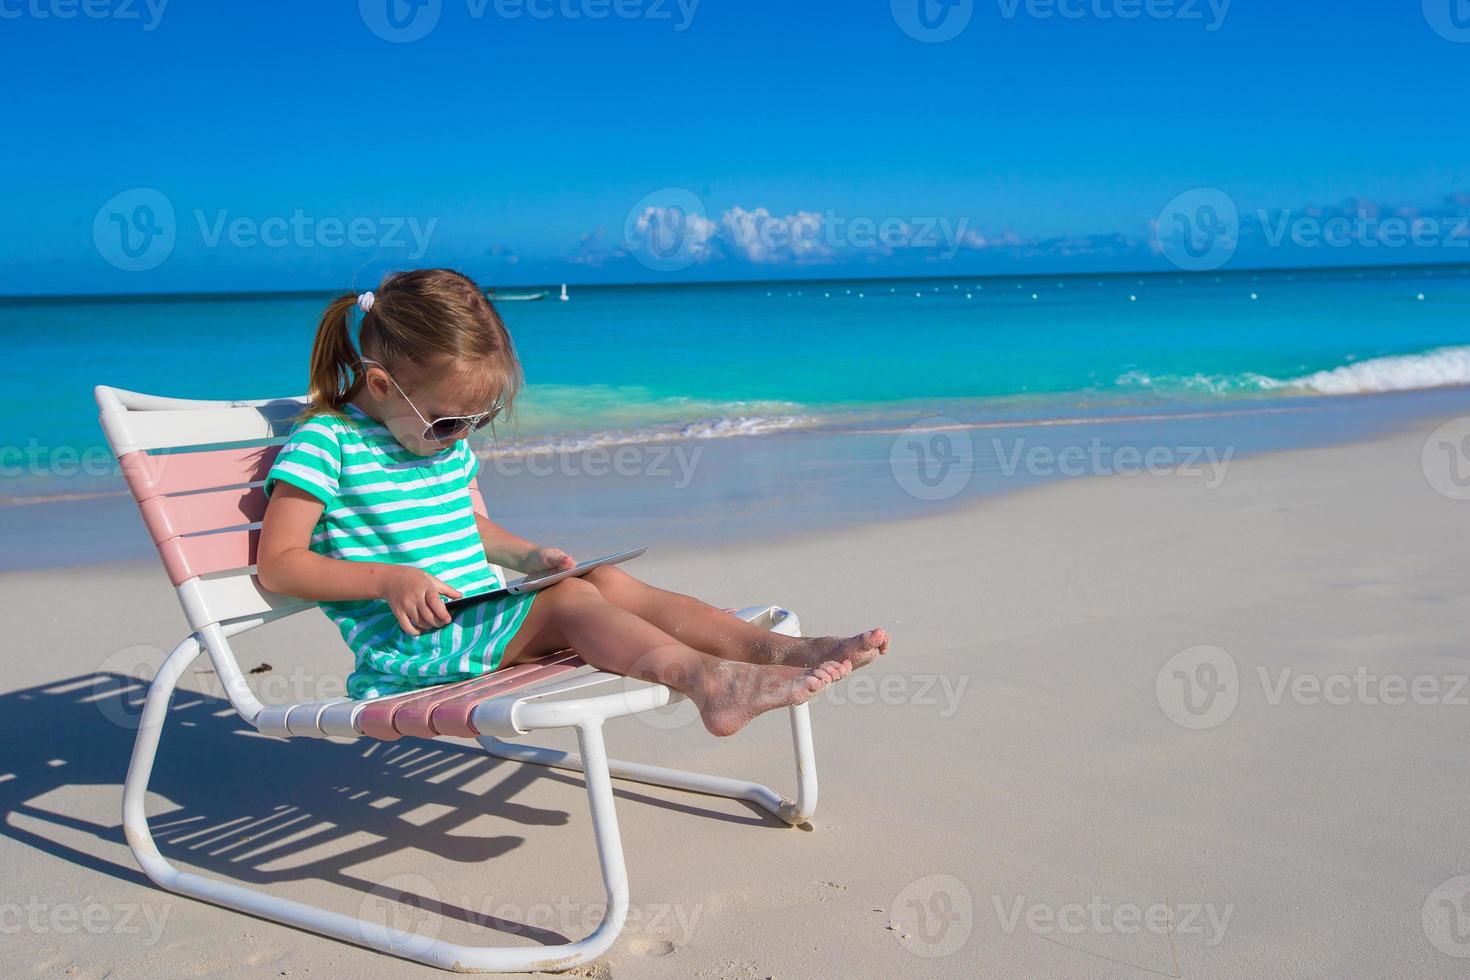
<point x="1015" y="746"/>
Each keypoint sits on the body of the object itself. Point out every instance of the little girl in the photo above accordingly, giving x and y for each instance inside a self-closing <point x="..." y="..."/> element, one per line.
<point x="371" y="514"/>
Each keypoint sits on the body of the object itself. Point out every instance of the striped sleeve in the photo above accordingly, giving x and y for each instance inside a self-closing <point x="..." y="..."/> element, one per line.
<point x="472" y="466"/>
<point x="311" y="459"/>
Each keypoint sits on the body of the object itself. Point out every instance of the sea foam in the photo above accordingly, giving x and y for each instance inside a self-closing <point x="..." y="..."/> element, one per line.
<point x="1440" y="368"/>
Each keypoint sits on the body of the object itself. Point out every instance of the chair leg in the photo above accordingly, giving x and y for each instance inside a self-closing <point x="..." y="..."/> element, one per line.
<point x="793" y="812"/>
<point x="361" y="932"/>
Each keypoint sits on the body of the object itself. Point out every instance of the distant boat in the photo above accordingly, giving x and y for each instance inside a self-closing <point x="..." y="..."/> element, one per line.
<point x="513" y="297"/>
<point x="563" y="297"/>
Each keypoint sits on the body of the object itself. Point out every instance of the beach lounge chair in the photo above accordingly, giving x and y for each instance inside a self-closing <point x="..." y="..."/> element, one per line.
<point x="196" y="468"/>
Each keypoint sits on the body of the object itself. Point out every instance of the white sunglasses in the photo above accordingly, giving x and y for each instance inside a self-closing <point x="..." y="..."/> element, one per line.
<point x="446" y="426"/>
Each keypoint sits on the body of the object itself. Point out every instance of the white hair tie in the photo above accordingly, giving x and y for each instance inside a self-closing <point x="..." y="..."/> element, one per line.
<point x="365" y="301"/>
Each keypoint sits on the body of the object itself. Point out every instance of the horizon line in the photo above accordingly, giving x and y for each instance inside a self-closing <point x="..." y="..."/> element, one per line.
<point x="19" y="299"/>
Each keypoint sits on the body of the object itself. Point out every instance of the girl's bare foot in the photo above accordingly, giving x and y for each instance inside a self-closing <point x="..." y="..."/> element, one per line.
<point x="859" y="650"/>
<point x="736" y="692"/>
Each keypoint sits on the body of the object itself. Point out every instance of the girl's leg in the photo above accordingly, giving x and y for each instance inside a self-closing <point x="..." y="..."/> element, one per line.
<point x="573" y="613"/>
<point x="716" y="632"/>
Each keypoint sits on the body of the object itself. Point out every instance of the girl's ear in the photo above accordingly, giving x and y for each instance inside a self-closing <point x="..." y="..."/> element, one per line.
<point x="375" y="380"/>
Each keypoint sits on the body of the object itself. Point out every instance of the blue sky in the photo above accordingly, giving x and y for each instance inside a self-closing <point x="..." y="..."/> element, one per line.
<point x="551" y="140"/>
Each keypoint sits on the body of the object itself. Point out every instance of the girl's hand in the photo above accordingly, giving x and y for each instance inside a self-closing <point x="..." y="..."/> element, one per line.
<point x="543" y="560"/>
<point x="413" y="595"/>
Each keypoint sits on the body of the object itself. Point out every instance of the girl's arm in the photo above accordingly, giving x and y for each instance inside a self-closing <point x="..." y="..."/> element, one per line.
<point x="513" y="551"/>
<point x="286" y="565"/>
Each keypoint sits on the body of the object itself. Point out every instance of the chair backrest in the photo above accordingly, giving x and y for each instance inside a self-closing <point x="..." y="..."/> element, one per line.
<point x="196" y="469"/>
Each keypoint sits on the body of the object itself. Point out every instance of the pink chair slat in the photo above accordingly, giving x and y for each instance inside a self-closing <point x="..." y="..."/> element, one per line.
<point x="376" y="720"/>
<point x="168" y="517"/>
<point x="409" y="714"/>
<point x="184" y="558"/>
<point x="415" y="718"/>
<point x="453" y="716"/>
<point x="450" y="716"/>
<point x="151" y="475"/>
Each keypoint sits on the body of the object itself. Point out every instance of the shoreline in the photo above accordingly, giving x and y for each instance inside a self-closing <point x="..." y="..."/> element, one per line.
<point x="647" y="503"/>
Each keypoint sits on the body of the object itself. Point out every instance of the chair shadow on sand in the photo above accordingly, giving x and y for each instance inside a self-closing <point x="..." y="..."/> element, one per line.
<point x="248" y="807"/>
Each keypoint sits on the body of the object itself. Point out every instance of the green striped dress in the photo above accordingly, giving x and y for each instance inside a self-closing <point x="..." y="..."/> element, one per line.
<point x="383" y="503"/>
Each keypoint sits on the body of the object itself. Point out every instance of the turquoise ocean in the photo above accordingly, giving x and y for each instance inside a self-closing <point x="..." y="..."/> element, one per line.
<point x="769" y="363"/>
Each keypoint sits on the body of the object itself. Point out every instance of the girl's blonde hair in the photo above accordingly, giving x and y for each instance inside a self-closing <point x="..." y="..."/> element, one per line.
<point x="415" y="317"/>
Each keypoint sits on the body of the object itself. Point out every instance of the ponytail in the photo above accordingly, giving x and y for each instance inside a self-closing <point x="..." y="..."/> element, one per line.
<point x="335" y="378"/>
<point x="412" y="318"/>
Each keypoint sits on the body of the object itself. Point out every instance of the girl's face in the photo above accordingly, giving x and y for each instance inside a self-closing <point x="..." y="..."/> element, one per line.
<point x="441" y="391"/>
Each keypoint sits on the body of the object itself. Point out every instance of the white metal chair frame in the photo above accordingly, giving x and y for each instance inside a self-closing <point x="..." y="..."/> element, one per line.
<point x="219" y="606"/>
